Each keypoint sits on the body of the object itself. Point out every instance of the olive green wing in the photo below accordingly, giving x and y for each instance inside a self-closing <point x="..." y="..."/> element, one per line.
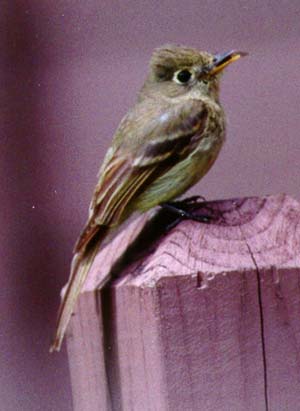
<point x="125" y="174"/>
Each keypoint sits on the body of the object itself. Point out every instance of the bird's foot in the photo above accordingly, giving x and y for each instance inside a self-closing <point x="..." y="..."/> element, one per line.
<point x="184" y="209"/>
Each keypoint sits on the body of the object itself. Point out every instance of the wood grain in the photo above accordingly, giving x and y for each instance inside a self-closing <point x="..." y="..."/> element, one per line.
<point x="196" y="317"/>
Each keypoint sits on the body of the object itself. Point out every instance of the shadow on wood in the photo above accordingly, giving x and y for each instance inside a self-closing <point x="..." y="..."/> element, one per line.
<point x="195" y="317"/>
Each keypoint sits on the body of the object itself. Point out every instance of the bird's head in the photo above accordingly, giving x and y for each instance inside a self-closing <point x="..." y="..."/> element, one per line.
<point x="177" y="71"/>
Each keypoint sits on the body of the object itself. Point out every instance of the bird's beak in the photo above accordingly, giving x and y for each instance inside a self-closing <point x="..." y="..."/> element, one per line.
<point x="223" y="60"/>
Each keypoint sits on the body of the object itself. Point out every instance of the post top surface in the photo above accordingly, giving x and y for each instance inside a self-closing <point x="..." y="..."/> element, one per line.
<point x="251" y="232"/>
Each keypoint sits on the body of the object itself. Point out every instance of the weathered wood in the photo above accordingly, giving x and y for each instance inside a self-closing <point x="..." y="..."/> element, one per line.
<point x="204" y="317"/>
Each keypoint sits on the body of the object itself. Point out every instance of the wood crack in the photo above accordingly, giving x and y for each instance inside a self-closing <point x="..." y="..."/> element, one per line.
<point x="262" y="326"/>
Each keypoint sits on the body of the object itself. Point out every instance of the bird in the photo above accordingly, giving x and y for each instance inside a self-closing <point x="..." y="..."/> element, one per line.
<point x="164" y="145"/>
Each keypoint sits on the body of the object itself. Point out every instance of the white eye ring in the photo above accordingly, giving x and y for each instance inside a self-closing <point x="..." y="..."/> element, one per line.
<point x="183" y="76"/>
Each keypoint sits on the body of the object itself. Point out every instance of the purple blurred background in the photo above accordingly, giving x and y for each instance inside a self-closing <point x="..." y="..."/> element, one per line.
<point x="69" y="72"/>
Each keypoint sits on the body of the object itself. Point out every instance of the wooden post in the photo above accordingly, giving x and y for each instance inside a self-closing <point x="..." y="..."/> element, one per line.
<point x="203" y="317"/>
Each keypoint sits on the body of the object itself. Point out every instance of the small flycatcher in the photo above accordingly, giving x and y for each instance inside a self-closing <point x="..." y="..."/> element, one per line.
<point x="164" y="145"/>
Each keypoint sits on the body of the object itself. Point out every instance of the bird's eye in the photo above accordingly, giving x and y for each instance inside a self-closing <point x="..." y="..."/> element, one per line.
<point x="182" y="76"/>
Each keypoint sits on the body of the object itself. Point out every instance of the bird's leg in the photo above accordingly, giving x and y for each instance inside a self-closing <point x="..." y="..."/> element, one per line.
<point x="178" y="207"/>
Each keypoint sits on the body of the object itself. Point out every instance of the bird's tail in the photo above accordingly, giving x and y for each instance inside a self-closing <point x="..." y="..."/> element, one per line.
<point x="81" y="264"/>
